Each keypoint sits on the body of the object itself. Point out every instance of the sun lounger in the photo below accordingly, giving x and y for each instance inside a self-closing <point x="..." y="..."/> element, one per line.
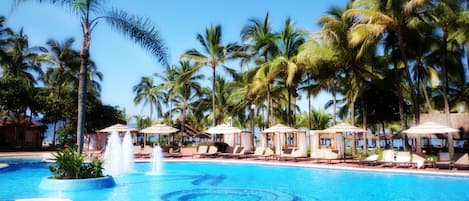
<point x="239" y="153"/>
<point x="211" y="152"/>
<point x="144" y="152"/>
<point x="268" y="154"/>
<point x="388" y="158"/>
<point x="444" y="161"/>
<point x="462" y="163"/>
<point x="259" y="151"/>
<point x="318" y="155"/>
<point x="403" y="159"/>
<point x="202" y="149"/>
<point x="370" y="160"/>
<point x="418" y="160"/>
<point x="293" y="154"/>
<point x="228" y="154"/>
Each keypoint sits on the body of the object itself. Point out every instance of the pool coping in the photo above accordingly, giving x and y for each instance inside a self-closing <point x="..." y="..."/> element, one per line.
<point x="321" y="166"/>
<point x="452" y="173"/>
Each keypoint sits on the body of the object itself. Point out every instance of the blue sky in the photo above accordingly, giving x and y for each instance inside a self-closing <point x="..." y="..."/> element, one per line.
<point x="124" y="63"/>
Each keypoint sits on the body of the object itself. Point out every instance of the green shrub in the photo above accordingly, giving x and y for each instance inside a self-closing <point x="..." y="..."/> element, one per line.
<point x="69" y="164"/>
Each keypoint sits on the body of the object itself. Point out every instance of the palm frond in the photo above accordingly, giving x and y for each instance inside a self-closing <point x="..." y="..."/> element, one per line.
<point x="141" y="30"/>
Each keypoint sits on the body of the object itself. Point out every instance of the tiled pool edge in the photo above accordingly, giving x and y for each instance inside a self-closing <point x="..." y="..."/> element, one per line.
<point x="376" y="170"/>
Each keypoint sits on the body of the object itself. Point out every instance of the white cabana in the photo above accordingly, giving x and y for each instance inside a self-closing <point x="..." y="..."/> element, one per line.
<point x="283" y="137"/>
<point x="427" y="128"/>
<point x="337" y="132"/>
<point x="233" y="136"/>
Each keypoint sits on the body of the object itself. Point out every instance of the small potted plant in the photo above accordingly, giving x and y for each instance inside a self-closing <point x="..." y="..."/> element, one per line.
<point x="70" y="172"/>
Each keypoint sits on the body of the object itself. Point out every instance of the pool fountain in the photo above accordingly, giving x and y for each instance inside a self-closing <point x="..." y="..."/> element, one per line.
<point x="118" y="157"/>
<point x="157" y="161"/>
<point x="128" y="153"/>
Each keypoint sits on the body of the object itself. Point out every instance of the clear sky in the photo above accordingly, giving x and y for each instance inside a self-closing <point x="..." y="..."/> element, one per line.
<point x="123" y="63"/>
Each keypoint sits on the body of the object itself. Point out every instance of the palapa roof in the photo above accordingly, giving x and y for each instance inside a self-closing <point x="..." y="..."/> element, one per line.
<point x="160" y="129"/>
<point x="223" y="129"/>
<point x="280" y="128"/>
<point x="343" y="127"/>
<point x="117" y="128"/>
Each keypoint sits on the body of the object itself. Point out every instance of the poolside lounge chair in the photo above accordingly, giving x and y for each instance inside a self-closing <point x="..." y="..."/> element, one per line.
<point x="318" y="155"/>
<point x="229" y="153"/>
<point x="443" y="161"/>
<point x="268" y="154"/>
<point x="144" y="152"/>
<point x="329" y="155"/>
<point x="202" y="149"/>
<point x="293" y="154"/>
<point x="370" y="160"/>
<point x="462" y="163"/>
<point x="240" y="152"/>
<point x="259" y="152"/>
<point x="403" y="159"/>
<point x="211" y="152"/>
<point x="388" y="158"/>
<point x="418" y="160"/>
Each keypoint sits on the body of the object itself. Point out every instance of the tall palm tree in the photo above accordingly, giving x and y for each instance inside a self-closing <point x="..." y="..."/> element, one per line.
<point x="214" y="54"/>
<point x="169" y="83"/>
<point x="377" y="18"/>
<point x="187" y="87"/>
<point x="90" y="12"/>
<point x="261" y="42"/>
<point x="148" y="93"/>
<point x="21" y="60"/>
<point x="284" y="64"/>
<point x="65" y="63"/>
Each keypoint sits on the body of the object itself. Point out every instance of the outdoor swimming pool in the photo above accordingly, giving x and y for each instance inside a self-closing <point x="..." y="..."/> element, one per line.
<point x="197" y="181"/>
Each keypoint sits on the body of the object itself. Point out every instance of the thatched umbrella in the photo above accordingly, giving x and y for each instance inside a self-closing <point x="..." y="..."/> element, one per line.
<point x="117" y="127"/>
<point x="433" y="128"/>
<point x="158" y="129"/>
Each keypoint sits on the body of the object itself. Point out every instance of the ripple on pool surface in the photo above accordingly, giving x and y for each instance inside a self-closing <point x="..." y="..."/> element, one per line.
<point x="228" y="194"/>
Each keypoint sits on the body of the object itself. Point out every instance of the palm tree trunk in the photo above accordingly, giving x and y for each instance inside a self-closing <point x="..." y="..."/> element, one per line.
<point x="445" y="74"/>
<point x="214" y="120"/>
<point x="309" y="111"/>
<point x="82" y="86"/>
<point x="407" y="75"/>
<point x="427" y="99"/>
<point x="365" y="140"/>
<point x="267" y="121"/>
<point x="170" y="111"/>
<point x="334" y="104"/>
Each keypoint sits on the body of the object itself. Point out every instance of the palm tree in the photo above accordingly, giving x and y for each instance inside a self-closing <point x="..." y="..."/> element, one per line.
<point x="261" y="42"/>
<point x="148" y="93"/>
<point x="187" y="87"/>
<point x="214" y="54"/>
<point x="284" y="64"/>
<point x="21" y="60"/>
<point x="90" y="12"/>
<point x="65" y="63"/>
<point x="168" y="78"/>
<point x="377" y="18"/>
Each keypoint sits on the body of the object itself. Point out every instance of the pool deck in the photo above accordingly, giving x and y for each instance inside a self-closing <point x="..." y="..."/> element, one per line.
<point x="307" y="164"/>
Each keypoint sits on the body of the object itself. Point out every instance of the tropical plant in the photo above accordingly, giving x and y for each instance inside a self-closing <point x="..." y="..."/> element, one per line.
<point x="149" y="93"/>
<point x="214" y="54"/>
<point x="90" y="12"/>
<point x="69" y="164"/>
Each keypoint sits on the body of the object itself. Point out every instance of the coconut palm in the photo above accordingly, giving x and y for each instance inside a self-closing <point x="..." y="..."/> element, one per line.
<point x="261" y="41"/>
<point x="148" y="93"/>
<point x="65" y="63"/>
<point x="376" y="18"/>
<point x="214" y="54"/>
<point x="284" y="64"/>
<point x="90" y="13"/>
<point x="21" y="60"/>
<point x="187" y="88"/>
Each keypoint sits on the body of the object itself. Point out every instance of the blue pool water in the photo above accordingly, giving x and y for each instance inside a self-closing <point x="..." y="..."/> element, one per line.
<point x="198" y="181"/>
